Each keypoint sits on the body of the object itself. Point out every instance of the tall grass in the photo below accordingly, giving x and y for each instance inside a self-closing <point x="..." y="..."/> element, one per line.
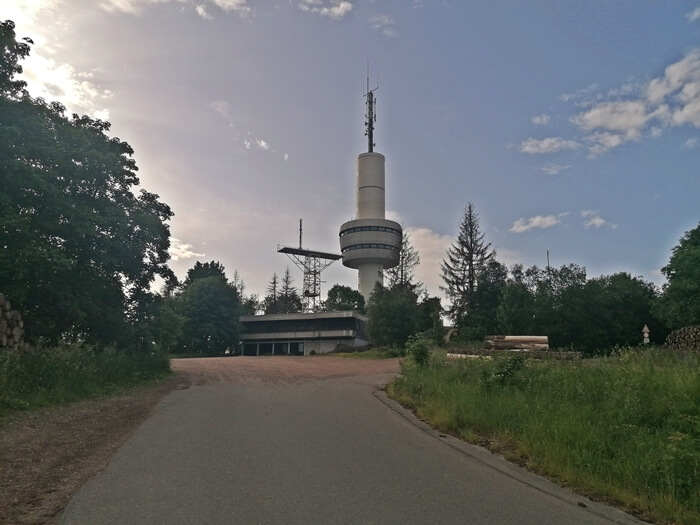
<point x="32" y="377"/>
<point x="624" y="427"/>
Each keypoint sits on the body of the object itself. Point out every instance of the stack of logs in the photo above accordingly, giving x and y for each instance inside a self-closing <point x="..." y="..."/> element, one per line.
<point x="516" y="342"/>
<point x="11" y="325"/>
<point x="687" y="338"/>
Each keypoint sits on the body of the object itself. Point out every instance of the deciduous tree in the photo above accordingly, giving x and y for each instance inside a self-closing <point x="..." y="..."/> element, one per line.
<point x="79" y="246"/>
<point x="342" y="298"/>
<point x="679" y="304"/>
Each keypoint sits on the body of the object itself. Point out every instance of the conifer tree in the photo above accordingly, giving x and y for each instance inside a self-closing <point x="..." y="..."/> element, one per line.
<point x="465" y="260"/>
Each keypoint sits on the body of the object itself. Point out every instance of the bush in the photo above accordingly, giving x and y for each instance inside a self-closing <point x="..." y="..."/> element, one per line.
<point x="44" y="376"/>
<point x="418" y="350"/>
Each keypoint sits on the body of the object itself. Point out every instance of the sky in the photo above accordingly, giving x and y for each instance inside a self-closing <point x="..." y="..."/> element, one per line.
<point x="572" y="127"/>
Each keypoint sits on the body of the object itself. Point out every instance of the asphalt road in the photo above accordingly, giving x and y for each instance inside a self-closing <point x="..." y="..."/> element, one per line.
<point x="311" y="451"/>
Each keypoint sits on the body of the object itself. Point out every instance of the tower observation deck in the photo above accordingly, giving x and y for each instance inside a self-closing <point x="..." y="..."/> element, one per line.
<point x="370" y="243"/>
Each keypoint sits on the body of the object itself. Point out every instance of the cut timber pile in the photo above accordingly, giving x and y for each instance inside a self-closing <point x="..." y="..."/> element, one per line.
<point x="11" y="324"/>
<point x="516" y="342"/>
<point x="536" y="346"/>
<point x="687" y="338"/>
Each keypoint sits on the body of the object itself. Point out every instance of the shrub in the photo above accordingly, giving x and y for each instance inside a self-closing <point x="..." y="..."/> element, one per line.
<point x="418" y="350"/>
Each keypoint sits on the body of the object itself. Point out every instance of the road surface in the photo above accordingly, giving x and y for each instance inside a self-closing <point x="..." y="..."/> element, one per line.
<point x="309" y="440"/>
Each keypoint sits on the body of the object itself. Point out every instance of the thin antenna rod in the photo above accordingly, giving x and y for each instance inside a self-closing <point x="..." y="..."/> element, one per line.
<point x="370" y="115"/>
<point x="300" y="234"/>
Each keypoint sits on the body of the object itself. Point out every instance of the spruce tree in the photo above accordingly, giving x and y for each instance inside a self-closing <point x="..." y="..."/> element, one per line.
<point x="464" y="261"/>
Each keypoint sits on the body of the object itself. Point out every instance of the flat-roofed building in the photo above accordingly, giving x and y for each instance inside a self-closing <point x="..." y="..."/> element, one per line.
<point x="302" y="333"/>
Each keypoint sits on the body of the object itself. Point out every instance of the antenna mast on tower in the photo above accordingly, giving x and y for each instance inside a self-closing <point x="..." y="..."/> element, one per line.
<point x="371" y="113"/>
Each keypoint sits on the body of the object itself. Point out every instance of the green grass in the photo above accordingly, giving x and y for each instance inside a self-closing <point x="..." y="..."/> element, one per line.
<point x="625" y="428"/>
<point x="372" y="353"/>
<point x="36" y="377"/>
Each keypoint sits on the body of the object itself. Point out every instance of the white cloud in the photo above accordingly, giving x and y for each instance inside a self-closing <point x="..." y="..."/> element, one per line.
<point x="202" y="11"/>
<point x="131" y="7"/>
<point x="547" y="145"/>
<point x="581" y="93"/>
<point x="180" y="250"/>
<point x="692" y="143"/>
<point x="222" y="108"/>
<point x="333" y="9"/>
<point x="693" y="15"/>
<point x="431" y="248"/>
<point x="250" y="142"/>
<point x="237" y="6"/>
<point x="539" y="221"/>
<point x="594" y="220"/>
<point x="541" y="119"/>
<point x="554" y="169"/>
<point x="136" y="7"/>
<point x="51" y="80"/>
<point x="384" y="24"/>
<point x="631" y="112"/>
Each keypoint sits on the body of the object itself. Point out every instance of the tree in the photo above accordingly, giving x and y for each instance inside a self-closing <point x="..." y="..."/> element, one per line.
<point x="393" y="316"/>
<point x="270" y="304"/>
<point x="341" y="298"/>
<point x="481" y="318"/>
<point x="402" y="274"/>
<point x="288" y="301"/>
<point x="679" y="304"/>
<point x="202" y="270"/>
<point x="465" y="260"/>
<point x="79" y="248"/>
<point x="516" y="306"/>
<point x="211" y="307"/>
<point x="11" y="53"/>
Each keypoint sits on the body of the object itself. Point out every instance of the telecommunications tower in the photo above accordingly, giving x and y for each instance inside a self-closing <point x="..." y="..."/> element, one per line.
<point x="370" y="243"/>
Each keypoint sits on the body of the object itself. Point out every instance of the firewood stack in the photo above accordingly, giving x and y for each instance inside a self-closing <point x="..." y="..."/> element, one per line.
<point x="11" y="325"/>
<point x="687" y="338"/>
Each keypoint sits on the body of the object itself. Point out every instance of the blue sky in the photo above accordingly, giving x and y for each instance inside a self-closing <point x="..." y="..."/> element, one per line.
<point x="573" y="127"/>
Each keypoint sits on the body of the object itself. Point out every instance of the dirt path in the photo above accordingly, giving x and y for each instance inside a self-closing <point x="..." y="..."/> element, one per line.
<point x="46" y="455"/>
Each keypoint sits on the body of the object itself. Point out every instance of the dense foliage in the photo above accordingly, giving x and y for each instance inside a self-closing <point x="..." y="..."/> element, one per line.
<point x="680" y="303"/>
<point x="78" y="248"/>
<point x="341" y="298"/>
<point x="395" y="314"/>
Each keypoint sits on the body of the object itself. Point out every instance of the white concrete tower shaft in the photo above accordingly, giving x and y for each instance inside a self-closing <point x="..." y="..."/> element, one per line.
<point x="370" y="243"/>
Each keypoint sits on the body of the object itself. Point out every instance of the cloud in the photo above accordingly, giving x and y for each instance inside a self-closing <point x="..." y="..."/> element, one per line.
<point x="692" y="143"/>
<point x="580" y="94"/>
<point x="222" y="108"/>
<point x="237" y="6"/>
<point x="136" y="7"/>
<point x="539" y="221"/>
<point x="333" y="9"/>
<point x="202" y="11"/>
<point x="541" y="119"/>
<point x="384" y="24"/>
<point x="547" y="145"/>
<point x="431" y="248"/>
<point x="554" y="169"/>
<point x="693" y="15"/>
<point x="251" y="142"/>
<point x="594" y="220"/>
<point x="631" y="112"/>
<point x="180" y="250"/>
<point x="77" y="90"/>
